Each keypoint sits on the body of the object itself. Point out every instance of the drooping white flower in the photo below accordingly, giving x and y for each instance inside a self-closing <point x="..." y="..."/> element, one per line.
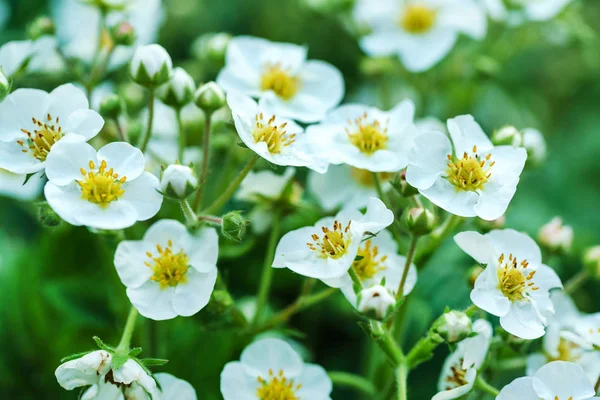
<point x="33" y="121"/>
<point x="556" y="236"/>
<point x="169" y="272"/>
<point x="151" y="65"/>
<point x="420" y="32"/>
<point x="14" y="186"/>
<point x="107" y="189"/>
<point x="515" y="284"/>
<point x="279" y="75"/>
<point x="477" y="180"/>
<point x="460" y="368"/>
<point x="173" y="388"/>
<point x="327" y="250"/>
<point x="376" y="299"/>
<point x="271" y="369"/>
<point x="366" y="137"/>
<point x="556" y="380"/>
<point x="178" y="181"/>
<point x="278" y="140"/>
<point x="95" y="370"/>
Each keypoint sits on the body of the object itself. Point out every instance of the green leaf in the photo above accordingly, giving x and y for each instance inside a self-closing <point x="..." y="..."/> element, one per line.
<point x="151" y="362"/>
<point x="135" y="352"/>
<point x="118" y="360"/>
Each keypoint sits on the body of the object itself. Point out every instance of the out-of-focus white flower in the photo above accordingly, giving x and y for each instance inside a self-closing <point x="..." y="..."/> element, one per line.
<point x="327" y="250"/>
<point x="33" y="121"/>
<point x="420" y="32"/>
<point x="507" y="135"/>
<point x="477" y="180"/>
<point x="179" y="90"/>
<point x="556" y="380"/>
<point x="535" y="144"/>
<point x="523" y="10"/>
<point x="14" y="55"/>
<point x="376" y="300"/>
<point x="556" y="236"/>
<point x="107" y="189"/>
<point x="173" y="388"/>
<point x="95" y="370"/>
<point x="14" y="186"/>
<point x="278" y="140"/>
<point x="429" y="124"/>
<point x="151" y="65"/>
<point x="460" y="368"/>
<point x="515" y="284"/>
<point x="287" y="84"/>
<point x="169" y="272"/>
<point x="178" y="181"/>
<point x="591" y="260"/>
<point x="366" y="137"/>
<point x="271" y="369"/>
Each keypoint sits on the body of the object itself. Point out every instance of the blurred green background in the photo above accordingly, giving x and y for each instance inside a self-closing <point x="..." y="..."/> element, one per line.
<point x="58" y="287"/>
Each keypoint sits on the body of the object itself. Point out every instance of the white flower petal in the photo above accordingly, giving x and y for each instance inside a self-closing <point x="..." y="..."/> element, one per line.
<point x="466" y="133"/>
<point x="510" y="241"/>
<point x="563" y="380"/>
<point x="465" y="16"/>
<point x="84" y="122"/>
<point x="316" y="384"/>
<point x="377" y="217"/>
<point x="520" y="388"/>
<point x="273" y="355"/>
<point x="67" y="158"/>
<point x="13" y="159"/>
<point x="236" y="384"/>
<point x="476" y="245"/>
<point x="65" y="100"/>
<point x="428" y="159"/>
<point x="493" y="204"/>
<point x="16" y="116"/>
<point x="125" y="159"/>
<point x="421" y="52"/>
<point x="83" y="371"/>
<point x="129" y="262"/>
<point x="173" y="388"/>
<point x="152" y="301"/>
<point x="459" y="202"/>
<point x="194" y="294"/>
<point x="523" y="321"/>
<point x="204" y="250"/>
<point x="142" y="195"/>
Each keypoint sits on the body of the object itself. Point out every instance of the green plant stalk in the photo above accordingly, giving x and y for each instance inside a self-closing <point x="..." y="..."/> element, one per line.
<point x="182" y="138"/>
<point x="188" y="212"/>
<point x="401" y="381"/>
<point x="432" y="241"/>
<point x="576" y="281"/>
<point x="128" y="331"/>
<point x="267" y="272"/>
<point x="353" y="381"/>
<point x="409" y="258"/>
<point x="148" y="133"/>
<point x="205" y="159"/>
<point x="379" y="189"/>
<point x="483" y="386"/>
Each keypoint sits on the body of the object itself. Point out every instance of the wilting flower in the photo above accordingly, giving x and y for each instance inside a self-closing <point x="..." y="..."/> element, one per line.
<point x="33" y="121"/>
<point x="556" y="380"/>
<point x="14" y="186"/>
<point x="477" y="180"/>
<point x="515" y="284"/>
<point x="169" y="272"/>
<point x="366" y="137"/>
<point x="107" y="189"/>
<point x="278" y="140"/>
<point x="420" y="32"/>
<point x="327" y="250"/>
<point x="172" y="388"/>
<point x="287" y="84"/>
<point x="556" y="236"/>
<point x="271" y="369"/>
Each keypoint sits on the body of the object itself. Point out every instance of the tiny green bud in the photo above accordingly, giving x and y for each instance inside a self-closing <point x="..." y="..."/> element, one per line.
<point x="453" y="326"/>
<point x="178" y="181"/>
<point x="123" y="34"/>
<point x="403" y="188"/>
<point x="179" y="91"/>
<point x="41" y="26"/>
<point x="591" y="261"/>
<point x="419" y="221"/>
<point x="376" y="302"/>
<point x="151" y="66"/>
<point x="210" y="97"/>
<point x="234" y="226"/>
<point x="507" y="136"/>
<point x="4" y="85"/>
<point x="110" y="107"/>
<point x="47" y="217"/>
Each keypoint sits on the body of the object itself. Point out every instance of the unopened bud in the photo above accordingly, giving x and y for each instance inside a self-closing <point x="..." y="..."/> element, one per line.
<point x="210" y="97"/>
<point x="403" y="188"/>
<point x="179" y="91"/>
<point x="211" y="47"/>
<point x="591" y="261"/>
<point x="555" y="236"/>
<point x="507" y="136"/>
<point x="151" y="65"/>
<point x="46" y="216"/>
<point x="41" y="26"/>
<point x="110" y="106"/>
<point x="535" y="144"/>
<point x="376" y="302"/>
<point x="234" y="226"/>
<point x="419" y="221"/>
<point x="453" y="326"/>
<point x="4" y="85"/>
<point x="123" y="34"/>
<point x="178" y="181"/>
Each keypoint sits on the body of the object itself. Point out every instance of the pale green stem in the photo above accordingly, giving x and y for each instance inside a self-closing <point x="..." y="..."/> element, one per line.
<point x="353" y="381"/>
<point x="483" y="386"/>
<point x="128" y="331"/>
<point x="148" y="134"/>
<point x="401" y="381"/>
<point x="205" y="160"/>
<point x="182" y="138"/>
<point x="190" y="216"/>
<point x="379" y="189"/>
<point x="267" y="272"/>
<point x="576" y="281"/>
<point x="409" y="258"/>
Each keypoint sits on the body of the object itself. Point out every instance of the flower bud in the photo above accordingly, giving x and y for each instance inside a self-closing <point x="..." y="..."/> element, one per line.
<point x="179" y="91"/>
<point x="403" y="188"/>
<point x="234" y="226"/>
<point x="151" y="65"/>
<point x="110" y="106"/>
<point x="4" y="85"/>
<point x="210" y="97"/>
<point x="453" y="326"/>
<point x="507" y="136"/>
<point x="419" y="221"/>
<point x="591" y="261"/>
<point x="535" y="144"/>
<point x="210" y="48"/>
<point x="376" y="302"/>
<point x="46" y="216"/>
<point x="41" y="26"/>
<point x="555" y="236"/>
<point x="123" y="34"/>
<point x="178" y="181"/>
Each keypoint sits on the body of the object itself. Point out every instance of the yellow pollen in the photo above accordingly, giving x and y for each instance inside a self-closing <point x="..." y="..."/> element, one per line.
<point x="367" y="137"/>
<point x="334" y="243"/>
<point x="417" y="19"/>
<point x="458" y="377"/>
<point x="513" y="281"/>
<point x="471" y="172"/>
<point x="370" y="264"/>
<point x="101" y="186"/>
<point x="365" y="177"/>
<point x="280" y="81"/>
<point x="169" y="268"/>
<point x="277" y="388"/>
<point x="44" y="136"/>
<point x="567" y="351"/>
<point x="275" y="136"/>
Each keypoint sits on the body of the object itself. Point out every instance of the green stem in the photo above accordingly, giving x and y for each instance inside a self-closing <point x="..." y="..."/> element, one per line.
<point x="576" y="281"/>
<point x="148" y="134"/>
<point x="205" y="159"/>
<point x="222" y="199"/>
<point x="401" y="381"/>
<point x="182" y="138"/>
<point x="432" y="241"/>
<point x="128" y="331"/>
<point x="267" y="272"/>
<point x="379" y="189"/>
<point x="409" y="258"/>
<point x="510" y="363"/>
<point x="120" y="131"/>
<point x="353" y="381"/>
<point x="190" y="216"/>
<point x="483" y="386"/>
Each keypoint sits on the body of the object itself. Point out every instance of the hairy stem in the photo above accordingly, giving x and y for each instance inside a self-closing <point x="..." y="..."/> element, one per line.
<point x="409" y="258"/>
<point x="205" y="159"/>
<point x="267" y="272"/>
<point x="148" y="133"/>
<point x="353" y="381"/>
<point x="128" y="331"/>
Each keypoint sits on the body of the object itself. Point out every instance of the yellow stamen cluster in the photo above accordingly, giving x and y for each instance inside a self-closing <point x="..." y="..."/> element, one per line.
<point x="42" y="139"/>
<point x="367" y="137"/>
<point x="512" y="280"/>
<point x="280" y="81"/>
<point x="417" y="18"/>
<point x="369" y="263"/>
<point x="568" y="351"/>
<point x="273" y="135"/>
<point x="458" y="377"/>
<point x="365" y="177"/>
<point x="101" y="186"/>
<point x="470" y="172"/>
<point x="334" y="243"/>
<point x="277" y="388"/>
<point x="169" y="268"/>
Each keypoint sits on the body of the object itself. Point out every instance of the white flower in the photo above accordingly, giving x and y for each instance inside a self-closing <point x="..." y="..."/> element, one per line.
<point x="366" y="137"/>
<point x="287" y="84"/>
<point x="105" y="190"/>
<point x="535" y="144"/>
<point x="478" y="180"/>
<point x="376" y="299"/>
<point x="327" y="250"/>
<point x="13" y="185"/>
<point x="271" y="369"/>
<point x="523" y="10"/>
<point x="556" y="380"/>
<point x="95" y="370"/>
<point x="460" y="368"/>
<point x="515" y="284"/>
<point x="14" y="55"/>
<point x="151" y="65"/>
<point x="169" y="272"/>
<point x="556" y="236"/>
<point x="179" y="90"/>
<point x="420" y="32"/>
<point x="178" y="181"/>
<point x="172" y="388"/>
<point x="33" y="121"/>
<point x="278" y="140"/>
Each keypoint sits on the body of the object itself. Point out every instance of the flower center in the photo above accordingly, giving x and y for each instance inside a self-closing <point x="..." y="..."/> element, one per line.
<point x="367" y="137"/>
<point x="470" y="172"/>
<point x="277" y="388"/>
<point x="101" y="186"/>
<point x="365" y="177"/>
<point x="169" y="267"/>
<point x="274" y="136"/>
<point x="457" y="377"/>
<point x="512" y="280"/>
<point x="568" y="351"/>
<point x="334" y="243"/>
<point x="417" y="19"/>
<point x="368" y="263"/>
<point x="280" y="81"/>
<point x="43" y="137"/>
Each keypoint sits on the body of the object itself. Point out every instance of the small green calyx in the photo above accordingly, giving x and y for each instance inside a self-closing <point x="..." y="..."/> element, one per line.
<point x="234" y="226"/>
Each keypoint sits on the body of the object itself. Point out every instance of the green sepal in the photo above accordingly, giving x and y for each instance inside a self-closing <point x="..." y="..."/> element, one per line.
<point x="102" y="345"/>
<point x="135" y="352"/>
<point x="118" y="360"/>
<point x="153" y="362"/>
<point x="242" y="144"/>
<point x="75" y="356"/>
